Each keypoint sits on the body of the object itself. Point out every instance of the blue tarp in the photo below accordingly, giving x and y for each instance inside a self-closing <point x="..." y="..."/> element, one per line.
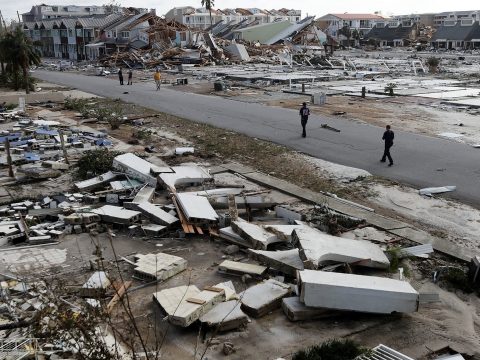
<point x="10" y="137"/>
<point x="103" y="142"/>
<point x="31" y="157"/>
<point x="46" y="132"/>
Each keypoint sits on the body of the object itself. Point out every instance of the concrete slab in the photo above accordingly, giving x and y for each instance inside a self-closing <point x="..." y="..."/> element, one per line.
<point x="154" y="229"/>
<point x="258" y="236"/>
<point x="117" y="215"/>
<point x="154" y="213"/>
<point x="283" y="232"/>
<point x="441" y="245"/>
<point x="96" y="285"/>
<point x="390" y="225"/>
<point x="184" y="176"/>
<point x="197" y="209"/>
<point x="145" y="194"/>
<point x="370" y="294"/>
<point x="229" y="288"/>
<point x="239" y="268"/>
<point x="262" y="298"/>
<point x="225" y="316"/>
<point x="188" y="309"/>
<point x="30" y="260"/>
<point x="287" y="261"/>
<point x="295" y="310"/>
<point x="368" y="233"/>
<point x="158" y="266"/>
<point x="231" y="236"/>
<point x="96" y="182"/>
<point x="135" y="167"/>
<point x="318" y="249"/>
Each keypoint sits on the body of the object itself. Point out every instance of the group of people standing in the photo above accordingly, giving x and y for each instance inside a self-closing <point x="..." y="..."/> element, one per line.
<point x="157" y="77"/>
<point x="388" y="135"/>
<point x="130" y="76"/>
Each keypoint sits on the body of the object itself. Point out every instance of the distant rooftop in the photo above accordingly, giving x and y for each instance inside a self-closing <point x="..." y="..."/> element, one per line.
<point x="347" y="16"/>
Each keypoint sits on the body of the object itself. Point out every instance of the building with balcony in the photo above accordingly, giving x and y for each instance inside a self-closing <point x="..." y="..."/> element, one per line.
<point x="199" y="18"/>
<point x="421" y="19"/>
<point x="461" y="34"/>
<point x="449" y="18"/>
<point x="44" y="12"/>
<point x="67" y="38"/>
<point x="331" y="24"/>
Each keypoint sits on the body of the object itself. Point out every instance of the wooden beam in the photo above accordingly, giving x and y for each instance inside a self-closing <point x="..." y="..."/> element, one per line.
<point x="118" y="295"/>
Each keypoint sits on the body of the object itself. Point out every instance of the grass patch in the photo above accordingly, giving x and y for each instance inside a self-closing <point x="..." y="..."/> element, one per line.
<point x="332" y="350"/>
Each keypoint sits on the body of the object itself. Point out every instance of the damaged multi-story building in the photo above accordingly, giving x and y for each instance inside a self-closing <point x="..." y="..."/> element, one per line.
<point x="201" y="18"/>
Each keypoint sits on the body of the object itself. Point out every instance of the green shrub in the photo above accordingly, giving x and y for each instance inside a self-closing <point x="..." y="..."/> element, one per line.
<point x="458" y="279"/>
<point x="75" y="104"/>
<point x="95" y="162"/>
<point x="433" y="62"/>
<point x="331" y="350"/>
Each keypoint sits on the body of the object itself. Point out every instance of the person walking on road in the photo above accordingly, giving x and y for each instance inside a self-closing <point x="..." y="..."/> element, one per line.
<point x="130" y="75"/>
<point x="388" y="136"/>
<point x="157" y="77"/>
<point x="120" y="76"/>
<point x="304" y="114"/>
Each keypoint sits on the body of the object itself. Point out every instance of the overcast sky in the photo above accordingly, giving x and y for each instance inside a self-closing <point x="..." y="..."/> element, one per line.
<point x="311" y="7"/>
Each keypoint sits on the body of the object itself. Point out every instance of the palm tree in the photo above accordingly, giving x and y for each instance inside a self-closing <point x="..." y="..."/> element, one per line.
<point x="21" y="55"/>
<point x="208" y="5"/>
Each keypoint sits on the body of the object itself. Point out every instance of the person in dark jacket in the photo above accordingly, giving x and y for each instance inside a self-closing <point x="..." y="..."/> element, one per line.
<point x="120" y="76"/>
<point x="304" y="114"/>
<point x="388" y="137"/>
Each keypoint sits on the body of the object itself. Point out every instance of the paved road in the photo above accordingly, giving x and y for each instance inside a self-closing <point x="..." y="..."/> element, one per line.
<point x="420" y="161"/>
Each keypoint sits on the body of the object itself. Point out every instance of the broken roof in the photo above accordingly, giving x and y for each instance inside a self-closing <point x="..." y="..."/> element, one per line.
<point x="389" y="33"/>
<point x="457" y="32"/>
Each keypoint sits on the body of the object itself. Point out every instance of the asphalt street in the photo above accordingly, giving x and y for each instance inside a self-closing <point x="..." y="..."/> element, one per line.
<point x="420" y="161"/>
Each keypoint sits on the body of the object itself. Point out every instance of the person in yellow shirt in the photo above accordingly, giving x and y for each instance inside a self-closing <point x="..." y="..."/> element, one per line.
<point x="157" y="78"/>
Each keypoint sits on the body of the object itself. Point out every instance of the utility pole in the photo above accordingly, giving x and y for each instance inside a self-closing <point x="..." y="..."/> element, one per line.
<point x="9" y="158"/>
<point x="18" y="15"/>
<point x="62" y="141"/>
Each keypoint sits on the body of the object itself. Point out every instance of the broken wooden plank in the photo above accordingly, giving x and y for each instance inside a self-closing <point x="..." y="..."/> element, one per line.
<point x="118" y="295"/>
